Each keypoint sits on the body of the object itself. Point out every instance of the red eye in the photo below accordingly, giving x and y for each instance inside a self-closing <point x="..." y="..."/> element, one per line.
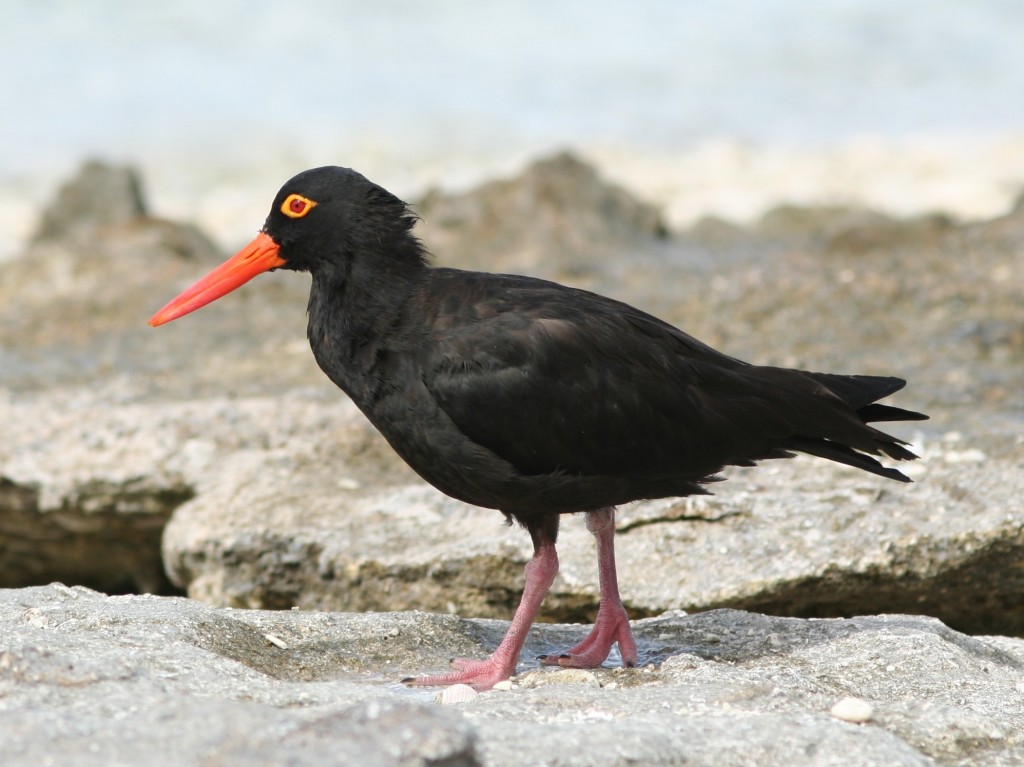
<point x="296" y="206"/>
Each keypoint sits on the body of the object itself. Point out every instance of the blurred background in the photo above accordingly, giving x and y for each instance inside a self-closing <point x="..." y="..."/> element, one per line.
<point x="718" y="107"/>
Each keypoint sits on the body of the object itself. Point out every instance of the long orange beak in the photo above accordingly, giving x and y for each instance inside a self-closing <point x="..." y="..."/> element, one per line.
<point x="258" y="256"/>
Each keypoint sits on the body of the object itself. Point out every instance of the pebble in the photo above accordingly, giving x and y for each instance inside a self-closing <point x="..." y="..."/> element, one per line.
<point x="853" y="710"/>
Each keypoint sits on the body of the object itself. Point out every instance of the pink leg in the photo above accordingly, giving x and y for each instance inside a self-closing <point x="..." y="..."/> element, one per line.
<point x="484" y="674"/>
<point x="612" y="623"/>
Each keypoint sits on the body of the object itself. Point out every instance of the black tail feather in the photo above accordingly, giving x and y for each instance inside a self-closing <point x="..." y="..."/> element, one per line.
<point x="853" y="444"/>
<point x="840" y="453"/>
<point x="876" y="412"/>
<point x="859" y="391"/>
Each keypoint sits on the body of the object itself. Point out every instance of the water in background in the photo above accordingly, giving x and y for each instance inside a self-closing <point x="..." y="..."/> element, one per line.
<point x="237" y="93"/>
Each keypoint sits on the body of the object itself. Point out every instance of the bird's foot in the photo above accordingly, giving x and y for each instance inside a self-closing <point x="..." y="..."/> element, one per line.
<point x="610" y="627"/>
<point x="479" y="674"/>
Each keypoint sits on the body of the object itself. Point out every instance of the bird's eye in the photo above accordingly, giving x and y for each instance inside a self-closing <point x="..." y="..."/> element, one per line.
<point x="296" y="206"/>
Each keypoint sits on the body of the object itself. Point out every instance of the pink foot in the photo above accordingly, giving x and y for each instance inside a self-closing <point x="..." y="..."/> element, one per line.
<point x="484" y="674"/>
<point x="611" y="626"/>
<point x="479" y="674"/>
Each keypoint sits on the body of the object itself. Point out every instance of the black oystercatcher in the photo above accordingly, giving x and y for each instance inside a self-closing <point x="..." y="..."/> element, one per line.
<point x="534" y="398"/>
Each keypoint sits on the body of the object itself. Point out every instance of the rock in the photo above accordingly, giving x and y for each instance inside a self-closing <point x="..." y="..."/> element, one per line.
<point x="73" y="306"/>
<point x="87" y="488"/>
<point x="101" y="195"/>
<point x="915" y="233"/>
<point x="266" y="515"/>
<point x="558" y="217"/>
<point x="853" y="230"/>
<point x="559" y="676"/>
<point x="104" y="534"/>
<point x="98" y="680"/>
<point x="809" y="223"/>
<point x="794" y="538"/>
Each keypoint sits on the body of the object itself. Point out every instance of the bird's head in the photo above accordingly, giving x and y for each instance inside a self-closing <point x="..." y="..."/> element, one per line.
<point x="318" y="221"/>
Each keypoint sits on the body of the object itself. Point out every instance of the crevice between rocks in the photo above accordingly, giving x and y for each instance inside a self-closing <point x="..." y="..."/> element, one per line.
<point x="105" y="535"/>
<point x="982" y="594"/>
<point x="633" y="524"/>
<point x="977" y="590"/>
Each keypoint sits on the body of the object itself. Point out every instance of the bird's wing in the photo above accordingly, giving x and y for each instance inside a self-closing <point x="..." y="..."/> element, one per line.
<point x="560" y="381"/>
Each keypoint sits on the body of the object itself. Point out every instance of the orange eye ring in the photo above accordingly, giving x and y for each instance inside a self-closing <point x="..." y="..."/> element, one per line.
<point x="297" y="206"/>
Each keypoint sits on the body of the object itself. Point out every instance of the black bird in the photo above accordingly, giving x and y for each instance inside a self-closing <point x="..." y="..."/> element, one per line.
<point x="534" y="398"/>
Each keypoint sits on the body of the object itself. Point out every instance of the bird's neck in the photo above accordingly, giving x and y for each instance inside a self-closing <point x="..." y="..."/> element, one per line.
<point x="353" y="320"/>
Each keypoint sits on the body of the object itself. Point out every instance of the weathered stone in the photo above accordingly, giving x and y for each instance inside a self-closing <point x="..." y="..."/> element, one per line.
<point x="98" y="680"/>
<point x="101" y="534"/>
<point x="301" y="503"/>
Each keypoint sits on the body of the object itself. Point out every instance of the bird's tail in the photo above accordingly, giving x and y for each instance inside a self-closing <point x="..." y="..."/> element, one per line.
<point x="861" y="393"/>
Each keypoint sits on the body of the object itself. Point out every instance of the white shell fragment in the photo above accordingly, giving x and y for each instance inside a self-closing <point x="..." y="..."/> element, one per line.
<point x="276" y="641"/>
<point x="457" y="693"/>
<point x="853" y="710"/>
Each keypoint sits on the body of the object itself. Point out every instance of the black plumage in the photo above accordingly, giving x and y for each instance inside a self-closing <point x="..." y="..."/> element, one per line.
<point x="531" y="397"/>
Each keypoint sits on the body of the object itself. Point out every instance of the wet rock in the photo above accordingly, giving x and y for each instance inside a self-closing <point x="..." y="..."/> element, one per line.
<point x="558" y="217"/>
<point x="113" y="680"/>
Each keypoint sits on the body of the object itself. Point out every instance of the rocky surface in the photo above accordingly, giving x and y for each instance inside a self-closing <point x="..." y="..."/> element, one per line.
<point x="89" y="679"/>
<point x="217" y="441"/>
<point x="295" y="502"/>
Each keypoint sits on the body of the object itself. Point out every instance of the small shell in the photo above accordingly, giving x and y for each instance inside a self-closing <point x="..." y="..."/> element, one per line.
<point x="457" y="693"/>
<point x="853" y="710"/>
<point x="276" y="641"/>
<point x="503" y="686"/>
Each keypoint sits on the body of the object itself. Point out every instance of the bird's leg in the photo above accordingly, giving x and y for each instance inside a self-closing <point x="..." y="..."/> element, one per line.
<point x="484" y="674"/>
<point x="612" y="623"/>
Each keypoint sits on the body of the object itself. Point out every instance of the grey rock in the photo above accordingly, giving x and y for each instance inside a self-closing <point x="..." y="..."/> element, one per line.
<point x="557" y="217"/>
<point x="100" y="195"/>
<point x="73" y="306"/>
<point x="796" y="538"/>
<point x="298" y="502"/>
<point x="853" y="230"/>
<point x="102" y="533"/>
<point x="89" y="679"/>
